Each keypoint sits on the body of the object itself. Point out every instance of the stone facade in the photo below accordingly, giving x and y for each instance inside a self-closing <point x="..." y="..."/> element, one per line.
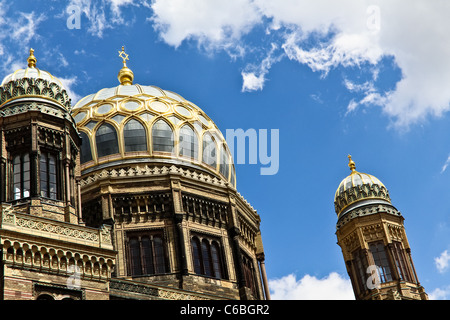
<point x="154" y="229"/>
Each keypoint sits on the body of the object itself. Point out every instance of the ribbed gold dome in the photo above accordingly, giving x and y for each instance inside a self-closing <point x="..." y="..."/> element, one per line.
<point x="358" y="187"/>
<point x="133" y="123"/>
<point x="32" y="82"/>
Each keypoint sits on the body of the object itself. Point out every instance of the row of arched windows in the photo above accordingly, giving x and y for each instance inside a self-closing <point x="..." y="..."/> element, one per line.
<point x="147" y="252"/>
<point x="207" y="258"/>
<point x="163" y="140"/>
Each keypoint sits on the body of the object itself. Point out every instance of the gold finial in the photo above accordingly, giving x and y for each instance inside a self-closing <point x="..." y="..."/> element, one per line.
<point x="351" y="163"/>
<point x="31" y="59"/>
<point x="125" y="76"/>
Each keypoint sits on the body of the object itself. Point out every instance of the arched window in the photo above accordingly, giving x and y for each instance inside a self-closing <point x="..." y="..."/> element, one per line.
<point x="188" y="145"/>
<point x="134" y="136"/>
<point x="146" y="254"/>
<point x="162" y="137"/>
<point x="209" y="150"/>
<point x="21" y="176"/>
<point x="106" y="140"/>
<point x="86" y="153"/>
<point x="224" y="167"/>
<point x="216" y="259"/>
<point x="159" y="256"/>
<point x="249" y="274"/>
<point x="195" y="243"/>
<point x="135" y="257"/>
<point x="207" y="257"/>
<point x="47" y="175"/>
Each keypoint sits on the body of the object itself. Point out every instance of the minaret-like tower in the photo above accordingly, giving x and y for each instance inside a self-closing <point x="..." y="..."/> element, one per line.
<point x="45" y="252"/>
<point x="373" y="240"/>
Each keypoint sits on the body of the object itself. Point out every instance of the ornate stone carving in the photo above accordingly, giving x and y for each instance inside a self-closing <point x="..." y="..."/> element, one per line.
<point x="34" y="87"/>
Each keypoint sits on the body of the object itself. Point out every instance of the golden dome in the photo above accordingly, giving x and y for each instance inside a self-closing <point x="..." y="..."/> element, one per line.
<point x="133" y="123"/>
<point x="358" y="187"/>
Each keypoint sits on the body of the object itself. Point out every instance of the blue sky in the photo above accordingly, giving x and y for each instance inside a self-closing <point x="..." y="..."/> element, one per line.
<point x="367" y="78"/>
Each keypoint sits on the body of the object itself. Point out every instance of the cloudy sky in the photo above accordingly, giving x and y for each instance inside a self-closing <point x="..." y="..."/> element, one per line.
<point x="322" y="78"/>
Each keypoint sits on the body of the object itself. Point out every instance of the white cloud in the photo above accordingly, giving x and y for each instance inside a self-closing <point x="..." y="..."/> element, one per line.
<point x="68" y="84"/>
<point x="254" y="75"/>
<point x="444" y="167"/>
<point x="331" y="287"/>
<point x="345" y="33"/>
<point x="213" y="24"/>
<point x="24" y="27"/>
<point x="443" y="261"/>
<point x="440" y="294"/>
<point x="98" y="14"/>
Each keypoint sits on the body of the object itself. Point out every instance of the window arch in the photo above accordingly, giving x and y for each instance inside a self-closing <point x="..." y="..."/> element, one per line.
<point x="209" y="150"/>
<point x="146" y="253"/>
<point x="162" y="137"/>
<point x="86" y="153"/>
<point x="196" y="254"/>
<point x="106" y="140"/>
<point x="48" y="175"/>
<point x="188" y="142"/>
<point x="207" y="257"/>
<point x="249" y="273"/>
<point x="21" y="176"/>
<point x="216" y="259"/>
<point x="134" y="136"/>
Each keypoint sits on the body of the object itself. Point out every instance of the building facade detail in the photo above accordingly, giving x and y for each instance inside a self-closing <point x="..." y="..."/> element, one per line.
<point x="371" y="234"/>
<point x="129" y="194"/>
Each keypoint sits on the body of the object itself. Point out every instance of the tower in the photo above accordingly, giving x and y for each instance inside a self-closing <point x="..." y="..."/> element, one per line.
<point x="45" y="252"/>
<point x="371" y="234"/>
<point x="157" y="169"/>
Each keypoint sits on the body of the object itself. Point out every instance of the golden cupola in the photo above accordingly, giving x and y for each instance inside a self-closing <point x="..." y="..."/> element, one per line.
<point x="359" y="189"/>
<point x="31" y="83"/>
<point x="144" y="124"/>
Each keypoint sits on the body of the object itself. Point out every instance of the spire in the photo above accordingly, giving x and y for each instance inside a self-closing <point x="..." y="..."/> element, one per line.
<point x="125" y="75"/>
<point x="351" y="164"/>
<point x="31" y="59"/>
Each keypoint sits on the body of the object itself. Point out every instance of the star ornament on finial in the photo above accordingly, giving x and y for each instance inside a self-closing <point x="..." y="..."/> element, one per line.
<point x="123" y="55"/>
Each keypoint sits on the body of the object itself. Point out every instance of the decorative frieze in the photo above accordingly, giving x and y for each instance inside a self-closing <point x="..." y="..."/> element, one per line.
<point x="34" y="87"/>
<point x="124" y="288"/>
<point x="359" y="192"/>
<point x="146" y="170"/>
<point x="204" y="210"/>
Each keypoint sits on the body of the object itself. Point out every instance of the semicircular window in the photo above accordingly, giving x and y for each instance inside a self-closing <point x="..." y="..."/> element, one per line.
<point x="188" y="142"/>
<point x="162" y="137"/>
<point x="209" y="150"/>
<point x="106" y="140"/>
<point x="86" y="153"/>
<point x="134" y="136"/>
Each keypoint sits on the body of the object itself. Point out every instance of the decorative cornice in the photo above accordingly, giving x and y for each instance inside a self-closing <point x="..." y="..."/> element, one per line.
<point x="366" y="211"/>
<point x="156" y="292"/>
<point x="145" y="170"/>
<point x="38" y="226"/>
